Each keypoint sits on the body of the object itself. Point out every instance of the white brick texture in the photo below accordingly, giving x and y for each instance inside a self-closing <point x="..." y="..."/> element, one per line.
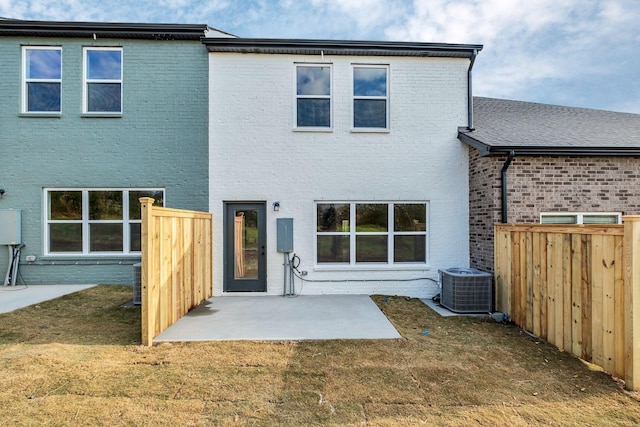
<point x="255" y="155"/>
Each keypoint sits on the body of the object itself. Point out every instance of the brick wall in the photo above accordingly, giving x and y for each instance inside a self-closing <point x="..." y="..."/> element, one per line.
<point x="546" y="184"/>
<point x="256" y="155"/>
<point x="159" y="141"/>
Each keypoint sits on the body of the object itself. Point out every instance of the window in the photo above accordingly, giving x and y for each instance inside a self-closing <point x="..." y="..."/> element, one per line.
<point x="580" y="218"/>
<point x="370" y="97"/>
<point x="371" y="233"/>
<point x="102" y="80"/>
<point x="313" y="96"/>
<point x="96" y="221"/>
<point x="42" y="79"/>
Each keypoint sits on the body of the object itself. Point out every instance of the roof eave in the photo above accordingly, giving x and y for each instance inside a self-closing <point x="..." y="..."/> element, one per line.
<point x="339" y="47"/>
<point x="102" y="29"/>
<point x="504" y="150"/>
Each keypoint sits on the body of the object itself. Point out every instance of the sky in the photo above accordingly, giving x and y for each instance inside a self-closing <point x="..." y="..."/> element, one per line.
<point x="579" y="53"/>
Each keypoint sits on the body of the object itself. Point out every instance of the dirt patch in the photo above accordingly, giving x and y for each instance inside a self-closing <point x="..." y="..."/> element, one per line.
<point x="77" y="360"/>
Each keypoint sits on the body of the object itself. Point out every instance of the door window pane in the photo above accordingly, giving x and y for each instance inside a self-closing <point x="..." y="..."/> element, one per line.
<point x="246" y="244"/>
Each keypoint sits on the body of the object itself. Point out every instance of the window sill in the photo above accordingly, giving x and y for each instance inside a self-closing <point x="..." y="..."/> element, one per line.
<point x="373" y="267"/>
<point x="89" y="257"/>
<point x="49" y="115"/>
<point x="101" y="115"/>
<point x="369" y="130"/>
<point x="312" y="129"/>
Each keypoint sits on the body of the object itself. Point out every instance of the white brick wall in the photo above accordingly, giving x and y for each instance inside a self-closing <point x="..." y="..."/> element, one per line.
<point x="256" y="156"/>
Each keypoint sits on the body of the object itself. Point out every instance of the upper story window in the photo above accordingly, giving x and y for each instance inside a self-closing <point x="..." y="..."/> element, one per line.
<point x="42" y="79"/>
<point x="313" y="96"/>
<point x="95" y="221"/>
<point x="102" y="80"/>
<point x="580" y="218"/>
<point x="371" y="233"/>
<point x="370" y="97"/>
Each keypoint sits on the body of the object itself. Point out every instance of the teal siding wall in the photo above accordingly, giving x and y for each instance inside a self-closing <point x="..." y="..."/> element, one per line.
<point x="161" y="140"/>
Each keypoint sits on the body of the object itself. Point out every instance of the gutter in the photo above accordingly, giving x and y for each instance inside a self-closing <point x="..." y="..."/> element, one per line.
<point x="503" y="179"/>
<point x="470" y="92"/>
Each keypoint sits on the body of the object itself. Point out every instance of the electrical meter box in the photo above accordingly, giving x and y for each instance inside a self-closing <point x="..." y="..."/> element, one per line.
<point x="10" y="227"/>
<point x="285" y="234"/>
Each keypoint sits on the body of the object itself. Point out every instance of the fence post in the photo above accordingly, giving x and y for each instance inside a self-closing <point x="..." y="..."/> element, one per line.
<point x="632" y="300"/>
<point x="145" y="212"/>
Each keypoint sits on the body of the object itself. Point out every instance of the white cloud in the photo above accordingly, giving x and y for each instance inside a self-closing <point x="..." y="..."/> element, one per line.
<point x="581" y="51"/>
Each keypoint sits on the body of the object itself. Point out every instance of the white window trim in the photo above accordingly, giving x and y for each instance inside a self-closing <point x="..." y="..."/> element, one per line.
<point x="85" y="221"/>
<point x="25" y="80"/>
<point x="297" y="128"/>
<point x="387" y="98"/>
<point x="390" y="264"/>
<point x="580" y="216"/>
<point x="86" y="82"/>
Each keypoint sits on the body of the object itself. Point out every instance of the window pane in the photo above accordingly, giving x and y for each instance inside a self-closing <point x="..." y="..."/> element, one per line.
<point x="371" y="217"/>
<point x="135" y="237"/>
<point x="314" y="112"/>
<point x="105" y="205"/>
<point x="43" y="64"/>
<point x="371" y="248"/>
<point x="600" y="219"/>
<point x="334" y="249"/>
<point x="43" y="96"/>
<point x="410" y="217"/>
<point x="409" y="249"/>
<point x="333" y="217"/>
<point x="104" y="97"/>
<point x="245" y="244"/>
<point x="105" y="237"/>
<point x="134" y="203"/>
<point x="65" y="237"/>
<point x="104" y="64"/>
<point x="370" y="113"/>
<point x="558" y="219"/>
<point x="313" y="80"/>
<point x="370" y="81"/>
<point x="65" y="205"/>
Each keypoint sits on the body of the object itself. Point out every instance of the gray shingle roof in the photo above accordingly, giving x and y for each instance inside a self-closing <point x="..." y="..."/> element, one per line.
<point x="503" y="125"/>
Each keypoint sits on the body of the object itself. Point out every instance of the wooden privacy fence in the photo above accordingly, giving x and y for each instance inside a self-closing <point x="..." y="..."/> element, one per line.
<point x="577" y="287"/>
<point x="176" y="265"/>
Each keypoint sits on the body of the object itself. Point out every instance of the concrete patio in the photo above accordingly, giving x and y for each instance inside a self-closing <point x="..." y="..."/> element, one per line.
<point x="265" y="318"/>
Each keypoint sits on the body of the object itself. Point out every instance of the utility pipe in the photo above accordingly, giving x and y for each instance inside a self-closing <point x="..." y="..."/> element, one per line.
<point x="470" y="92"/>
<point x="504" y="184"/>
